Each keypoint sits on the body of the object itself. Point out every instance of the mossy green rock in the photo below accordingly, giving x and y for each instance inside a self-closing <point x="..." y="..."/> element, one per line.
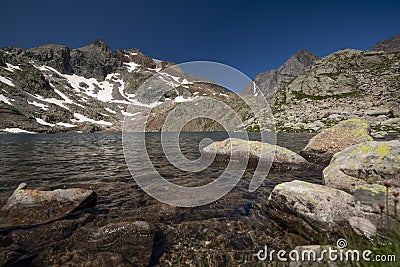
<point x="321" y="148"/>
<point x="375" y="195"/>
<point x="370" y="162"/>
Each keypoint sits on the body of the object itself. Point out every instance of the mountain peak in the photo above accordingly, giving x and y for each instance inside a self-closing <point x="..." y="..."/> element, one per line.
<point x="390" y="45"/>
<point x="100" y="43"/>
<point x="297" y="63"/>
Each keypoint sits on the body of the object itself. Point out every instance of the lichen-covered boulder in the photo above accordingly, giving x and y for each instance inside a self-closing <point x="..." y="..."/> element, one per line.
<point x="370" y="162"/>
<point x="31" y="206"/>
<point x="321" y="148"/>
<point x="255" y="151"/>
<point x="315" y="210"/>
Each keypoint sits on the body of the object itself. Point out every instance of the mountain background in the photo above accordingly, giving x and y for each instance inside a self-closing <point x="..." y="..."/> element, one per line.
<point x="53" y="88"/>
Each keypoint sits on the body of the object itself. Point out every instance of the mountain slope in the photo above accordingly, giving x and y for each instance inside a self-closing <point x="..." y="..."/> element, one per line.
<point x="345" y="84"/>
<point x="52" y="88"/>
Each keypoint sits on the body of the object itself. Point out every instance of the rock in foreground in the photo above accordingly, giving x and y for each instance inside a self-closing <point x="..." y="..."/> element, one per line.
<point x="366" y="163"/>
<point x="321" y="148"/>
<point x="30" y="206"/>
<point x="313" y="210"/>
<point x="256" y="151"/>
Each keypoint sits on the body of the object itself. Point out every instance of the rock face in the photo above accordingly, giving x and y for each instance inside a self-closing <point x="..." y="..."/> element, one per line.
<point x="94" y="61"/>
<point x="390" y="45"/>
<point x="314" y="210"/>
<point x="271" y="81"/>
<point x="370" y="162"/>
<point x="324" y="145"/>
<point x="55" y="56"/>
<point x="256" y="151"/>
<point x="30" y="206"/>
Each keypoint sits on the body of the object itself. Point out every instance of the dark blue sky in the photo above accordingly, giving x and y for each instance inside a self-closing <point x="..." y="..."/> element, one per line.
<point x="251" y="36"/>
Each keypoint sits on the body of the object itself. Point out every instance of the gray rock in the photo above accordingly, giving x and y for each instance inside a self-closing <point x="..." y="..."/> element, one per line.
<point x="368" y="162"/>
<point x="375" y="195"/>
<point x="324" y="145"/>
<point x="363" y="227"/>
<point x="377" y="111"/>
<point x="312" y="210"/>
<point x="379" y="135"/>
<point x="31" y="206"/>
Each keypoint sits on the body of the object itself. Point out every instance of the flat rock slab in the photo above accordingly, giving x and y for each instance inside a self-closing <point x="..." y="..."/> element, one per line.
<point x="256" y="151"/>
<point x="31" y="206"/>
<point x="321" y="148"/>
<point x="370" y="162"/>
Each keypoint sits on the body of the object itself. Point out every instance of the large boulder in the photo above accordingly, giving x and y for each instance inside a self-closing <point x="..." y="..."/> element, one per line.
<point x="321" y="148"/>
<point x="315" y="211"/>
<point x="30" y="206"/>
<point x="256" y="151"/>
<point x="370" y="162"/>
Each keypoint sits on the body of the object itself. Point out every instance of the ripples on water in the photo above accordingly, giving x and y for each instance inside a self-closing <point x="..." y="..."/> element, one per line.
<point x="97" y="161"/>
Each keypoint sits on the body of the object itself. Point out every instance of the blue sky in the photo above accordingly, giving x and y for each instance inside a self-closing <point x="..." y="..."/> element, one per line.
<point x="252" y="36"/>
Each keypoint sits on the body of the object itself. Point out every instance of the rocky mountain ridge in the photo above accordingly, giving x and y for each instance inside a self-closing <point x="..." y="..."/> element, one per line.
<point x="345" y="84"/>
<point x="53" y="88"/>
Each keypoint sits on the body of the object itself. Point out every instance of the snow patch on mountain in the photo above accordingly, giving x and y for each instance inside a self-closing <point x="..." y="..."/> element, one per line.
<point x="43" y="122"/>
<point x="132" y="66"/>
<point x="82" y="118"/>
<point x="5" y="99"/>
<point x="16" y="130"/>
<point x="37" y="104"/>
<point x="67" y="125"/>
<point x="7" y="81"/>
<point x="11" y="67"/>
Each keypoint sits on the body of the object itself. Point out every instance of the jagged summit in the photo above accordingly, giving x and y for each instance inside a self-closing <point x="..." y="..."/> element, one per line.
<point x="389" y="45"/>
<point x="297" y="63"/>
<point x="271" y="81"/>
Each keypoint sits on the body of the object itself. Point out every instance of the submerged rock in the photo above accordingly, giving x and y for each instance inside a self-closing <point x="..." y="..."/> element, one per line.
<point x="371" y="162"/>
<point x="321" y="148"/>
<point x="256" y="151"/>
<point x="129" y="243"/>
<point x="31" y="206"/>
